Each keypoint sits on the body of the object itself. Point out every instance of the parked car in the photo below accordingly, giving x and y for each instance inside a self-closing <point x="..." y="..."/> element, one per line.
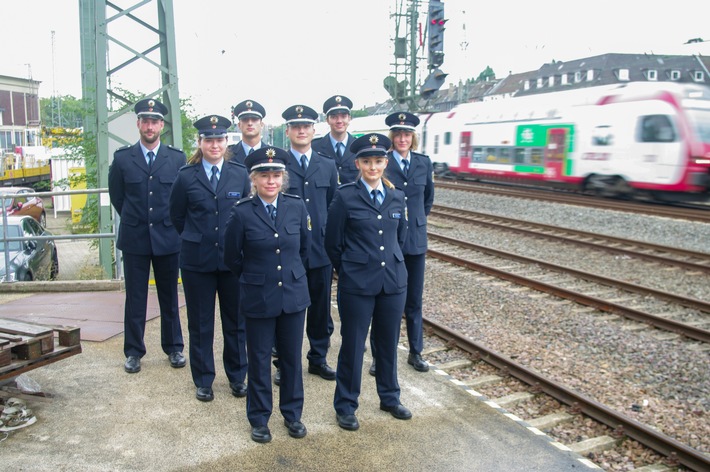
<point x="17" y="201"/>
<point x="34" y="259"/>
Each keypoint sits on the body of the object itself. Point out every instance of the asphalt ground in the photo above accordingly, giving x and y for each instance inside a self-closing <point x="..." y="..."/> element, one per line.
<point x="99" y="418"/>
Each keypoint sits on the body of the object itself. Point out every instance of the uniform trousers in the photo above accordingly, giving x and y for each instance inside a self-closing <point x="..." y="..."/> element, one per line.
<point x="136" y="271"/>
<point x="200" y="290"/>
<point x="286" y="333"/>
<point x="356" y="313"/>
<point x="319" y="323"/>
<point x="416" y="265"/>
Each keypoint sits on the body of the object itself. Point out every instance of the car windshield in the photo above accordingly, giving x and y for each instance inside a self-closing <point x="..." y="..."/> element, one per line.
<point x="6" y="202"/>
<point x="12" y="232"/>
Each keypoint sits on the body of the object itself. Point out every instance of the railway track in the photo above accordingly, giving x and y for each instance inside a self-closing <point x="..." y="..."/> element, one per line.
<point x="689" y="260"/>
<point x="698" y="214"/>
<point x="631" y="301"/>
<point x="675" y="452"/>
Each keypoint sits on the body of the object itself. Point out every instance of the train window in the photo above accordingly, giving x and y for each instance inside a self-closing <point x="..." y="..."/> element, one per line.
<point x="536" y="156"/>
<point x="602" y="136"/>
<point x="657" y="129"/>
<point x="504" y="155"/>
<point x="447" y="138"/>
<point x="520" y="155"/>
<point x="436" y="144"/>
<point x="491" y="155"/>
<point x="477" y="155"/>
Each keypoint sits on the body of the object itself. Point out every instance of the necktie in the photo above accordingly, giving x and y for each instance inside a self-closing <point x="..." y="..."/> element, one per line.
<point x="304" y="164"/>
<point x="405" y="166"/>
<point x="213" y="179"/>
<point x="375" y="200"/>
<point x="251" y="150"/>
<point x="271" y="210"/>
<point x="151" y="156"/>
<point x="339" y="149"/>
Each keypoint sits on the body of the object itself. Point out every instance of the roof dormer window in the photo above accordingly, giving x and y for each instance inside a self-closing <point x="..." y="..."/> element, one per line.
<point x="652" y="74"/>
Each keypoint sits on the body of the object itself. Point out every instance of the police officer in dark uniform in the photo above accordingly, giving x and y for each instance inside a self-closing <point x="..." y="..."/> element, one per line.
<point x="315" y="179"/>
<point x="202" y="196"/>
<point x="249" y="115"/>
<point x="336" y="144"/>
<point x="366" y="229"/>
<point x="139" y="182"/>
<point x="266" y="245"/>
<point x="412" y="173"/>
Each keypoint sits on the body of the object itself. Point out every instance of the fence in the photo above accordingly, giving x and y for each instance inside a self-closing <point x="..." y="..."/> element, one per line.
<point x="77" y="251"/>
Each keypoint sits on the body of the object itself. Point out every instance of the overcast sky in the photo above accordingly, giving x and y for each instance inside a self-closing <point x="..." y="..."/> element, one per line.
<point x="280" y="52"/>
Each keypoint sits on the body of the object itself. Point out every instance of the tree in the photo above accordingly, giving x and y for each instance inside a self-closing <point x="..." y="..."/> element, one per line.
<point x="62" y="112"/>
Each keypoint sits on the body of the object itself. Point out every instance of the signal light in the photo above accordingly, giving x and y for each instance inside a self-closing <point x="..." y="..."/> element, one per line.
<point x="436" y="34"/>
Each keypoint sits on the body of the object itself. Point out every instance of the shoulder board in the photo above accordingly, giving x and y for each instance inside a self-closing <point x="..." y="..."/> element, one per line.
<point x="235" y="163"/>
<point x="170" y="146"/>
<point x="321" y="154"/>
<point x="419" y="154"/>
<point x="245" y="199"/>
<point x="123" y="148"/>
<point x="290" y="195"/>
<point x="188" y="166"/>
<point x="349" y="184"/>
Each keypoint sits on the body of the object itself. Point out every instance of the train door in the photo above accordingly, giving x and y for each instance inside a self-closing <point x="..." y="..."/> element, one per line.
<point x="555" y="153"/>
<point x="660" y="150"/>
<point x="465" y="151"/>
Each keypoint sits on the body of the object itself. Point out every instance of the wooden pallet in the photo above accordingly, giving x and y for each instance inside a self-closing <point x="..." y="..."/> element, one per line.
<point x="25" y="346"/>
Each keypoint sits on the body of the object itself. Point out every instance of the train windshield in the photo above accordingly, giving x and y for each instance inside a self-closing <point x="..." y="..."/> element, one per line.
<point x="700" y="121"/>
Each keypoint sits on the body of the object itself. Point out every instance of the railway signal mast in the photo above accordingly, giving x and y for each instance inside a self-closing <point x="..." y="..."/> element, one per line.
<point x="435" y="43"/>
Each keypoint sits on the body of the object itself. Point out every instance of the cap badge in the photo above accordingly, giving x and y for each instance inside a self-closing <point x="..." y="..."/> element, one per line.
<point x="214" y="121"/>
<point x="249" y="104"/>
<point x="373" y="140"/>
<point x="338" y="99"/>
<point x="402" y="116"/>
<point x="270" y="153"/>
<point x="151" y="103"/>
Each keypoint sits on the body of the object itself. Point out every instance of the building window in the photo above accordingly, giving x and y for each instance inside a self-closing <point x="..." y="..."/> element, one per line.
<point x="577" y="77"/>
<point x="539" y="82"/>
<point x="563" y="79"/>
<point x="590" y="75"/>
<point x="526" y="86"/>
<point x="652" y="74"/>
<point x="698" y="76"/>
<point x="675" y="75"/>
<point x="623" y="74"/>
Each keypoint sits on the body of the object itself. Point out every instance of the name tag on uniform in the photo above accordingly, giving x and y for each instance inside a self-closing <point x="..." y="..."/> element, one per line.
<point x="396" y="215"/>
<point x="234" y="194"/>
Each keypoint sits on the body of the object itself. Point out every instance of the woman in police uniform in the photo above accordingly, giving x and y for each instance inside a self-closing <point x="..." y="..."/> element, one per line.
<point x="365" y="231"/>
<point x="266" y="246"/>
<point x="202" y="195"/>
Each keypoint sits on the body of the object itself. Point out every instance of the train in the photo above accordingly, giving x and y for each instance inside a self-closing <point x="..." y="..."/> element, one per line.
<point x="637" y="140"/>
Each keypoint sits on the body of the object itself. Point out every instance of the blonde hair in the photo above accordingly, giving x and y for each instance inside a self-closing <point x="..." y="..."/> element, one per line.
<point x="415" y="138"/>
<point x="252" y="177"/>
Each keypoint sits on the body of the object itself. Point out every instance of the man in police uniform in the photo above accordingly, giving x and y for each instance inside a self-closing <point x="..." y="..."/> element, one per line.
<point x="336" y="144"/>
<point x="315" y="179"/>
<point x="139" y="182"/>
<point x="250" y="115"/>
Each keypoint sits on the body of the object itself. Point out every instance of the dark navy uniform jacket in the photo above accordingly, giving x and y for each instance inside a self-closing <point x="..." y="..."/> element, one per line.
<point x="365" y="243"/>
<point x="238" y="154"/>
<point x="141" y="196"/>
<point x="346" y="164"/>
<point x="418" y="188"/>
<point x="269" y="258"/>
<point x="200" y="214"/>
<point x="316" y="186"/>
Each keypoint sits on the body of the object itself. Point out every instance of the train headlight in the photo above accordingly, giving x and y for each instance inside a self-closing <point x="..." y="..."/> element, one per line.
<point x="702" y="161"/>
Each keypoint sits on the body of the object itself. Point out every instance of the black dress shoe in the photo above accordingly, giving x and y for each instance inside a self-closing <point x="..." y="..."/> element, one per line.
<point x="323" y="370"/>
<point x="373" y="369"/>
<point x="348" y="422"/>
<point x="177" y="360"/>
<point x="132" y="365"/>
<point x="204" y="394"/>
<point x="296" y="429"/>
<point x="239" y="389"/>
<point x="416" y="361"/>
<point x="398" y="411"/>
<point x="277" y="377"/>
<point x="260" y="434"/>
